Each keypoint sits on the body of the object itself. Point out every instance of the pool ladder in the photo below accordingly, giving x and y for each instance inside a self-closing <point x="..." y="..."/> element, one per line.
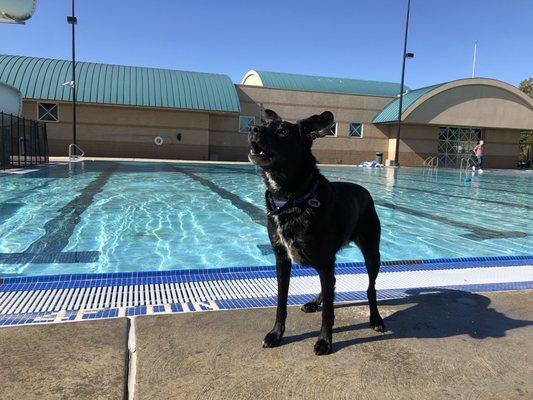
<point x="431" y="162"/>
<point x="74" y="157"/>
<point x="466" y="164"/>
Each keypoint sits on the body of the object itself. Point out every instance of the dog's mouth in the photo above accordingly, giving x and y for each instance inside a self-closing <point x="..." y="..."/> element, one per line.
<point x="258" y="154"/>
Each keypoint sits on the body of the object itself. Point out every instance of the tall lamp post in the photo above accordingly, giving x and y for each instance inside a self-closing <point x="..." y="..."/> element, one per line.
<point x="72" y="20"/>
<point x="405" y="56"/>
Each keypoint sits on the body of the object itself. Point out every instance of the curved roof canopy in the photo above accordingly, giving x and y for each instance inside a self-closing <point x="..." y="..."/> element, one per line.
<point x="10" y="100"/>
<point x="47" y="79"/>
<point x="390" y="112"/>
<point x="479" y="102"/>
<point x="279" y="80"/>
<point x="16" y="11"/>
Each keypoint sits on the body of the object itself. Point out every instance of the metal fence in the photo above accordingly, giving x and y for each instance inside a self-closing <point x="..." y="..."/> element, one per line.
<point x="23" y="142"/>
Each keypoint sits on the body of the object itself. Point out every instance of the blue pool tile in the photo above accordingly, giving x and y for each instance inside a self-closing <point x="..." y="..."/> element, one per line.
<point x="159" y="309"/>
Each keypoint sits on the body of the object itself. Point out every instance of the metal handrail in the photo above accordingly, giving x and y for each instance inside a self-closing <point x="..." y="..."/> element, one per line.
<point x="466" y="162"/>
<point x="431" y="162"/>
<point x="74" y="157"/>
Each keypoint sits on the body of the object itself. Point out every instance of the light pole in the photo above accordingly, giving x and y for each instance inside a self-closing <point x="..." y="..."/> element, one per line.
<point x="72" y="20"/>
<point x="405" y="55"/>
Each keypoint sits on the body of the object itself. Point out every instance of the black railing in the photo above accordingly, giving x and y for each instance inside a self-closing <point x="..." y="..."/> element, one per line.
<point x="23" y="142"/>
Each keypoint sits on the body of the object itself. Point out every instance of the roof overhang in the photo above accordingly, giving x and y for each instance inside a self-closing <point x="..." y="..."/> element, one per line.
<point x="477" y="102"/>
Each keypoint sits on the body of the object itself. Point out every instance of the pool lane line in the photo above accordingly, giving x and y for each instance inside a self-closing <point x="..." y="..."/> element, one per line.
<point x="50" y="257"/>
<point x="482" y="200"/>
<point x="476" y="232"/>
<point x="59" y="229"/>
<point x="458" y="185"/>
<point x="373" y="183"/>
<point x="255" y="213"/>
<point x="28" y="191"/>
<point x="10" y="206"/>
<point x="49" y="247"/>
<point x="248" y="171"/>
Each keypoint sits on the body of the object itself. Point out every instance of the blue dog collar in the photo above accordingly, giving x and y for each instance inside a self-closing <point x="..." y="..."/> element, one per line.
<point x="275" y="206"/>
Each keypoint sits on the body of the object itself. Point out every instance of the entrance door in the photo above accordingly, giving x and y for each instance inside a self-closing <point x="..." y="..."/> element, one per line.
<point x="455" y="144"/>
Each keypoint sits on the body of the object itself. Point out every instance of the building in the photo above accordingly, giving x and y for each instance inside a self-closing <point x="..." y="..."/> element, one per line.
<point x="156" y="113"/>
<point x="10" y="100"/>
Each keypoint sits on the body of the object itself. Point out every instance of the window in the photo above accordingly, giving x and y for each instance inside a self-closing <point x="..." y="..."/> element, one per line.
<point x="356" y="130"/>
<point x="332" y="130"/>
<point x="245" y="123"/>
<point x="48" y="112"/>
<point x="455" y="144"/>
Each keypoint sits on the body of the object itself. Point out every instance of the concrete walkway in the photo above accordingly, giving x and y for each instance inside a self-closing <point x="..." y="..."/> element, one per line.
<point x="85" y="360"/>
<point x="448" y="345"/>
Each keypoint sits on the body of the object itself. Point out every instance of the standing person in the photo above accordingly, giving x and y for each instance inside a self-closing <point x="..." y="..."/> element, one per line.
<point x="478" y="151"/>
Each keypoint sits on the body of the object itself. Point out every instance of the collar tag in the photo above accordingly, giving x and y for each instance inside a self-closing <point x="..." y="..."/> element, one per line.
<point x="279" y="203"/>
<point x="313" y="202"/>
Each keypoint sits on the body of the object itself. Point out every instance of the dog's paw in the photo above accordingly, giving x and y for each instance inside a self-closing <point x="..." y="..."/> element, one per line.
<point x="377" y="324"/>
<point x="272" y="339"/>
<point x="310" y="307"/>
<point x="323" y="346"/>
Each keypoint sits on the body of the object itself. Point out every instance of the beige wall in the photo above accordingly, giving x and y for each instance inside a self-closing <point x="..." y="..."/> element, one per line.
<point x="225" y="141"/>
<point x="417" y="142"/>
<point x="293" y="105"/>
<point x="128" y="131"/>
<point x="420" y="141"/>
<point x="501" y="148"/>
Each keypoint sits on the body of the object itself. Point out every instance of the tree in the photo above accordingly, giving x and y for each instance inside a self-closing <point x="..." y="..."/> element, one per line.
<point x="526" y="138"/>
<point x="526" y="86"/>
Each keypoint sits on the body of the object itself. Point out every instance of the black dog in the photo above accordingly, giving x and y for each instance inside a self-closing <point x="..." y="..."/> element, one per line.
<point x="310" y="218"/>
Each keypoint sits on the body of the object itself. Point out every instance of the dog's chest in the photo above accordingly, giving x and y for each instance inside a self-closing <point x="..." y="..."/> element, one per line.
<point x="286" y="237"/>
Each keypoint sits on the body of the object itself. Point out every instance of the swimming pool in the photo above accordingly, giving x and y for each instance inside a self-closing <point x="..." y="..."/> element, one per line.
<point x="98" y="217"/>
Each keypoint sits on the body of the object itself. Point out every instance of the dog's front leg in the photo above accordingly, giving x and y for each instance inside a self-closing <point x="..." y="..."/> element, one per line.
<point x="283" y="272"/>
<point x="327" y="281"/>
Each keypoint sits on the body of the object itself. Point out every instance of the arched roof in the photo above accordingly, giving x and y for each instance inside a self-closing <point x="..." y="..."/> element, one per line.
<point x="43" y="79"/>
<point x="494" y="94"/>
<point x="280" y="80"/>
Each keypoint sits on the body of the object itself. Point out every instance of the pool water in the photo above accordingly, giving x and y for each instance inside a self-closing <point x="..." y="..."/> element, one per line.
<point x="95" y="216"/>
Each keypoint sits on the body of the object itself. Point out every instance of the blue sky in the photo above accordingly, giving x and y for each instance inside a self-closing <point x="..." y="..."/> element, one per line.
<point x="355" y="39"/>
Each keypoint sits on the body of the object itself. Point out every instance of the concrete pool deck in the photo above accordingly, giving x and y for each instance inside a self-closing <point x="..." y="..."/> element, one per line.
<point x="449" y="344"/>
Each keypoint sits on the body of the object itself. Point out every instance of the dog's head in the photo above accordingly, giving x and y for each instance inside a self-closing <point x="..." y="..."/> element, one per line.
<point x="275" y="144"/>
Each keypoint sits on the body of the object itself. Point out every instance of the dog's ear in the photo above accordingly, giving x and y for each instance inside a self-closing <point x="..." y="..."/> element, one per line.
<point x="271" y="116"/>
<point x="311" y="127"/>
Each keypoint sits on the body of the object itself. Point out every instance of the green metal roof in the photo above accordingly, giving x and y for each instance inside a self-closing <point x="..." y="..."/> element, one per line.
<point x="43" y="78"/>
<point x="390" y="112"/>
<point x="281" y="80"/>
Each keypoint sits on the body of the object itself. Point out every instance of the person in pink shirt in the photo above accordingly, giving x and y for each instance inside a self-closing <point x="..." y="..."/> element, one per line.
<point x="478" y="151"/>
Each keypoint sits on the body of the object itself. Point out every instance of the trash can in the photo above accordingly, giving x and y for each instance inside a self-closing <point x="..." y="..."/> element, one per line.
<point x="379" y="158"/>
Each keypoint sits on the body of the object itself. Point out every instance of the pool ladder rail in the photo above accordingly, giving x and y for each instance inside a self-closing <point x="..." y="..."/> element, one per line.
<point x="431" y="162"/>
<point x="466" y="164"/>
<point x="75" y="157"/>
